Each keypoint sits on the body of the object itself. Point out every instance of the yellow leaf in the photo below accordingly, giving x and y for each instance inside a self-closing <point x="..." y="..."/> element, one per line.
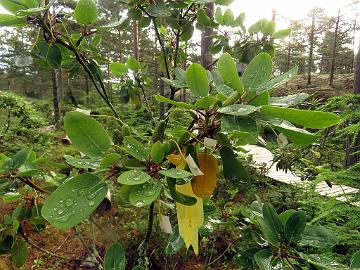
<point x="190" y="218"/>
<point x="175" y="159"/>
<point x="204" y="185"/>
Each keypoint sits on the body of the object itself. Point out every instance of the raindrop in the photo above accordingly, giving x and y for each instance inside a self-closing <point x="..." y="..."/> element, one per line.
<point x="68" y="202"/>
<point x="139" y="203"/>
<point x="60" y="211"/>
<point x="91" y="203"/>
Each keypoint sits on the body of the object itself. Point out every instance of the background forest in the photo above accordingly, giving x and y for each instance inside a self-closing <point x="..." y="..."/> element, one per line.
<point x="143" y="60"/>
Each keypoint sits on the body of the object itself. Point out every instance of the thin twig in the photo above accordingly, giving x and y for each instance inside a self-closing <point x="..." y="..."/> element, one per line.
<point x="146" y="99"/>
<point x="222" y="254"/>
<point x="31" y="243"/>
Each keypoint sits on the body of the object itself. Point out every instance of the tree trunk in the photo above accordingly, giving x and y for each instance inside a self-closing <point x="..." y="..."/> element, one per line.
<point x="61" y="86"/>
<point x="357" y="74"/>
<point x="206" y="38"/>
<point x="312" y="33"/>
<point x="55" y="83"/>
<point x="352" y="154"/>
<point x="332" y="69"/>
<point x="353" y="45"/>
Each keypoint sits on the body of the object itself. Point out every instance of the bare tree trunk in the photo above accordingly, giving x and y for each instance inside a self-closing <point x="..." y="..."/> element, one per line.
<point x="332" y="69"/>
<point x="206" y="38"/>
<point x="312" y="33"/>
<point x="357" y="74"/>
<point x="55" y="98"/>
<point x="352" y="153"/>
<point x="353" y="45"/>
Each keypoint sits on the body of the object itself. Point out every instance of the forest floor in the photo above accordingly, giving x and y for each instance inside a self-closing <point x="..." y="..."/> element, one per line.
<point x="128" y="226"/>
<point x="343" y="83"/>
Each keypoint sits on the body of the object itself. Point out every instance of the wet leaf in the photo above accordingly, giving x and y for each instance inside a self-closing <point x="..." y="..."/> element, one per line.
<point x="74" y="200"/>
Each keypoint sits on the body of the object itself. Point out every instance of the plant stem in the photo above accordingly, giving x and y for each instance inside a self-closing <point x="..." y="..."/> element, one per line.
<point x="222" y="254"/>
<point x="143" y="260"/>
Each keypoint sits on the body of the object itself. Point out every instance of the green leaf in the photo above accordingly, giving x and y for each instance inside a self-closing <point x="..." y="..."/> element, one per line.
<point x="296" y="135"/>
<point x="281" y="33"/>
<point x="257" y="26"/>
<point x="228" y="18"/>
<point x="15" y="5"/>
<point x="277" y="81"/>
<point x="284" y="216"/>
<point x="175" y="242"/>
<point x="159" y="10"/>
<point x="318" y="236"/>
<point x="238" y="109"/>
<point x="175" y="83"/>
<point x="86" y="134"/>
<point x="228" y="71"/>
<point x="231" y="124"/>
<point x="54" y="56"/>
<point x="268" y="28"/>
<point x="205" y="102"/>
<point x="133" y="177"/>
<point x="306" y="118"/>
<point x="197" y="80"/>
<point x="295" y="227"/>
<point x="260" y="99"/>
<point x="219" y="16"/>
<point x="86" y="12"/>
<point x="271" y="218"/>
<point x="135" y="148"/>
<point x="355" y="260"/>
<point x="84" y="163"/>
<point x="30" y="11"/>
<point x="74" y="200"/>
<point x="224" y="2"/>
<point x="145" y="194"/>
<point x="109" y="160"/>
<point x="175" y="103"/>
<point x="158" y="152"/>
<point x="11" y="20"/>
<point x="118" y="69"/>
<point x="287" y="101"/>
<point x="188" y="31"/>
<point x="123" y="195"/>
<point x="133" y="64"/>
<point x="266" y="261"/>
<point x="19" y="253"/>
<point x="258" y="71"/>
<point x="323" y="262"/>
<point x="202" y="18"/>
<point x="115" y="258"/>
<point x="177" y="196"/>
<point x="232" y="168"/>
<point x="175" y="173"/>
<point x="19" y="158"/>
<point x="110" y="25"/>
<point x="270" y="233"/>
